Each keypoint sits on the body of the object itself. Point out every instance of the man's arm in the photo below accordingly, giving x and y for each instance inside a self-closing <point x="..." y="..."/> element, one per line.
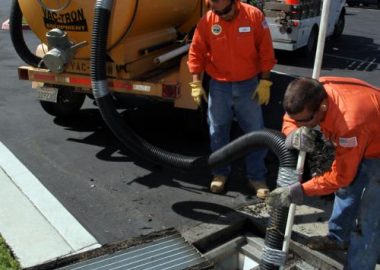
<point x="198" y="50"/>
<point x="196" y="77"/>
<point x="265" y="75"/>
<point x="264" y="45"/>
<point x="349" y="154"/>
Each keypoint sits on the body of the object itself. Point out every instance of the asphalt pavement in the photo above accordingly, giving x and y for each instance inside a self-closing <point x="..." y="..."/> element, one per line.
<point x="116" y="197"/>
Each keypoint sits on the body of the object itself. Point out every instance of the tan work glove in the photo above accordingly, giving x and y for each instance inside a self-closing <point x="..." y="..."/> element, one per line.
<point x="262" y="92"/>
<point x="197" y="92"/>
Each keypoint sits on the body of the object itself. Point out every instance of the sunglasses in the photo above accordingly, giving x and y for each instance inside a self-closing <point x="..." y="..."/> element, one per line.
<point x="306" y="119"/>
<point x="225" y="10"/>
<point x="309" y="118"/>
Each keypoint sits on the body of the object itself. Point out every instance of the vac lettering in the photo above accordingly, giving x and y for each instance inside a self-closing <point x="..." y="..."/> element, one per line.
<point x="71" y="21"/>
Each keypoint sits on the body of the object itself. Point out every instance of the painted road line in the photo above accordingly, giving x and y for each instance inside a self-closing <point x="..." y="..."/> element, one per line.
<point x="33" y="222"/>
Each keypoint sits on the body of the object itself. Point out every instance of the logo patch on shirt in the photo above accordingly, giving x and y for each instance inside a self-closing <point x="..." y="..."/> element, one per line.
<point x="216" y="29"/>
<point x="348" y="142"/>
<point x="265" y="24"/>
<point x="244" y="29"/>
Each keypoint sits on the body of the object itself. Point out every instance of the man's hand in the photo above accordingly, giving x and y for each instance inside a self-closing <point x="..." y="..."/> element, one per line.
<point x="262" y="92"/>
<point x="284" y="196"/>
<point x="197" y="92"/>
<point x="302" y="139"/>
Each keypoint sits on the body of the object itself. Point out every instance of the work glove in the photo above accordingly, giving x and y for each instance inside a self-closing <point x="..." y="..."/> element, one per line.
<point x="197" y="92"/>
<point x="284" y="196"/>
<point x="262" y="92"/>
<point x="302" y="139"/>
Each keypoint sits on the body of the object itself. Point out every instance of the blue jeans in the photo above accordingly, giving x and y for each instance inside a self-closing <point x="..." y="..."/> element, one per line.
<point x="346" y="205"/>
<point x="355" y="218"/>
<point x="234" y="99"/>
<point x="364" y="247"/>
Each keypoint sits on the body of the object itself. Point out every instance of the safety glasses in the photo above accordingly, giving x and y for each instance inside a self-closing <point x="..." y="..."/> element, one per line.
<point x="309" y="118"/>
<point x="306" y="119"/>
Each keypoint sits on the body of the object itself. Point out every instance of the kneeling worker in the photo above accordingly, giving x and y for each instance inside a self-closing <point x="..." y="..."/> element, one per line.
<point x="348" y="112"/>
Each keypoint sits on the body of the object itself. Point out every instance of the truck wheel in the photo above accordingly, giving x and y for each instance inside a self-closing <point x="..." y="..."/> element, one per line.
<point x="339" y="26"/>
<point x="311" y="46"/>
<point x="68" y="103"/>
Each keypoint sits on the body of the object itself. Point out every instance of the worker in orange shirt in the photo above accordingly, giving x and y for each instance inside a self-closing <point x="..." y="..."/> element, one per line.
<point x="232" y="43"/>
<point x="348" y="112"/>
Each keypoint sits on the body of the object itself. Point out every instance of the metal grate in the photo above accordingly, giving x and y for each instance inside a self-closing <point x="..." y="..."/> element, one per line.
<point x="169" y="253"/>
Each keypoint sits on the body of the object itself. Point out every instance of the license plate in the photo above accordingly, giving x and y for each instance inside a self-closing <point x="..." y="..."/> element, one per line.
<point x="49" y="94"/>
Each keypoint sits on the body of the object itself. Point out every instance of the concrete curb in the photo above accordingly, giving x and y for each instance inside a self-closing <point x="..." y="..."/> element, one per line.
<point x="32" y="221"/>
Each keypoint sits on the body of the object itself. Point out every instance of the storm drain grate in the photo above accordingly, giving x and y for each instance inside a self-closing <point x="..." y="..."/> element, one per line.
<point x="169" y="253"/>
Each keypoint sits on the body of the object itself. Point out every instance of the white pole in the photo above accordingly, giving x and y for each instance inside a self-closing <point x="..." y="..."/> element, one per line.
<point x="321" y="38"/>
<point x="292" y="208"/>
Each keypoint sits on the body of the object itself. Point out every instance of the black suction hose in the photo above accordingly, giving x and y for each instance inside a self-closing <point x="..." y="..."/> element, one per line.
<point x="17" y="37"/>
<point x="266" y="138"/>
<point x="240" y="147"/>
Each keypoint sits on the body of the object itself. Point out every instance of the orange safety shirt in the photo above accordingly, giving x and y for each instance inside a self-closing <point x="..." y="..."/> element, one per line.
<point x="352" y="123"/>
<point x="233" y="50"/>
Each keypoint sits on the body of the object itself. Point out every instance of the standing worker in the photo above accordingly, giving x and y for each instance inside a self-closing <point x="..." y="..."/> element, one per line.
<point x="348" y="112"/>
<point x="232" y="43"/>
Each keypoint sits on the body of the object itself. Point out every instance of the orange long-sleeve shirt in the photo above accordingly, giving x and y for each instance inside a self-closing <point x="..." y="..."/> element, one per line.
<point x="352" y="123"/>
<point x="233" y="50"/>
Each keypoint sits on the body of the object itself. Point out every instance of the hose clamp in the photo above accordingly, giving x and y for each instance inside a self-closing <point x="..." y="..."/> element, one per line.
<point x="104" y="4"/>
<point x="274" y="256"/>
<point x="287" y="176"/>
<point x="99" y="89"/>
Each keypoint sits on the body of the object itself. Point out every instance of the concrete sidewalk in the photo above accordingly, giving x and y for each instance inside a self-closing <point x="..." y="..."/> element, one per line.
<point x="32" y="221"/>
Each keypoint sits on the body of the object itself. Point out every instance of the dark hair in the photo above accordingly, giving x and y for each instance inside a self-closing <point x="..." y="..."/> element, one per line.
<point x="303" y="93"/>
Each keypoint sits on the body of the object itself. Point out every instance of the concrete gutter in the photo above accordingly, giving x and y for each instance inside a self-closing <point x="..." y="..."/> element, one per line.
<point x="33" y="222"/>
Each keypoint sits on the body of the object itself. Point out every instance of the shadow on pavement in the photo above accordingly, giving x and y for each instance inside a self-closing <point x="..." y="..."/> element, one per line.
<point x="164" y="126"/>
<point x="204" y="211"/>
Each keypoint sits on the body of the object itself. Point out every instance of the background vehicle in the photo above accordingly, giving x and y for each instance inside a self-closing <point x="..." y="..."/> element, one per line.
<point x="294" y="24"/>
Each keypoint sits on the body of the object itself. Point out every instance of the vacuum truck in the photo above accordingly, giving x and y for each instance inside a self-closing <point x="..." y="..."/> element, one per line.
<point x="146" y="50"/>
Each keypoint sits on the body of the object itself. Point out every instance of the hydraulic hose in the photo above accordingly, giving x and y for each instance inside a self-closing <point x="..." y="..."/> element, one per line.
<point x="17" y="37"/>
<point x="271" y="139"/>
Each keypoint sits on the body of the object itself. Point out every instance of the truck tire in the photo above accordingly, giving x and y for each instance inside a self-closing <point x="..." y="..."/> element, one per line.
<point x="68" y="103"/>
<point x="339" y="26"/>
<point x="311" y="46"/>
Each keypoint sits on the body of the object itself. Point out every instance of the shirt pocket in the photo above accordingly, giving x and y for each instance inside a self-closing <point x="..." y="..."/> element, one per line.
<point x="245" y="45"/>
<point x="219" y="53"/>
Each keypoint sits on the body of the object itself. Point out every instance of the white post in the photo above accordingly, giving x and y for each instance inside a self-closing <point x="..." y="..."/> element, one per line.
<point x="321" y="38"/>
<point x="292" y="208"/>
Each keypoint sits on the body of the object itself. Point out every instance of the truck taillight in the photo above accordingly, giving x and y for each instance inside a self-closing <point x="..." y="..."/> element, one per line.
<point x="170" y="90"/>
<point x="292" y="2"/>
<point x="23" y="74"/>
